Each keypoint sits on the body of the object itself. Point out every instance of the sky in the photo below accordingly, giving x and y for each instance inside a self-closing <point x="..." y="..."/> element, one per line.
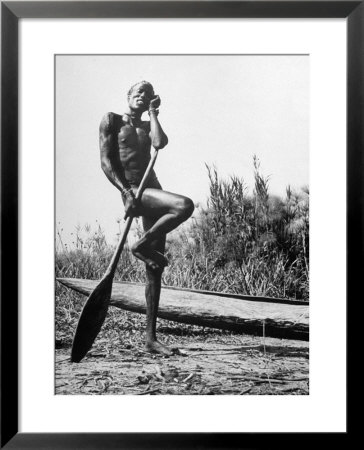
<point x="216" y="109"/>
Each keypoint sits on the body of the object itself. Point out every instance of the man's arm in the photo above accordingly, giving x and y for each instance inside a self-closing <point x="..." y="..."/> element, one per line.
<point x="110" y="162"/>
<point x="157" y="135"/>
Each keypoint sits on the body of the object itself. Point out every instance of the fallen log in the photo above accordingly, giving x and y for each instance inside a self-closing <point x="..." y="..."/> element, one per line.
<point x="283" y="319"/>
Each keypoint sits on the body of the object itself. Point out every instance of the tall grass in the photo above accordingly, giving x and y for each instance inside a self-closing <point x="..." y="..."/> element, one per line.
<point x="241" y="242"/>
<point x="256" y="244"/>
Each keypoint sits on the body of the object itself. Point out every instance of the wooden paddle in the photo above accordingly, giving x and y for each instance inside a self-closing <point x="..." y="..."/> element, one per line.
<point x="95" y="309"/>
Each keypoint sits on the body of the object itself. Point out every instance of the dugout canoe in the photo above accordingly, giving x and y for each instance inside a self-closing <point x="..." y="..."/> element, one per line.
<point x="281" y="318"/>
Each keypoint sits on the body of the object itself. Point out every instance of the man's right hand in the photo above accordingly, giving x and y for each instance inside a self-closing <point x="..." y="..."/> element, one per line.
<point x="131" y="206"/>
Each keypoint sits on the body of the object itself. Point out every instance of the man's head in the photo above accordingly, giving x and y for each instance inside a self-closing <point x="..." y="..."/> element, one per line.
<point x="139" y="95"/>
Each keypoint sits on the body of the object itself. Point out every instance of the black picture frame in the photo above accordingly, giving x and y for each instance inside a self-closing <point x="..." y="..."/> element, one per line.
<point x="11" y="12"/>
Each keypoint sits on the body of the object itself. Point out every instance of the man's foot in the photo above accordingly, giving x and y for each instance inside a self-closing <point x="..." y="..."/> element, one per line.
<point x="155" y="260"/>
<point x="157" y="347"/>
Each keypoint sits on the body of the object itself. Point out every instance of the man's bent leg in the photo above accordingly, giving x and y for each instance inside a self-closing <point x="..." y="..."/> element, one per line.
<point x="152" y="295"/>
<point x="169" y="211"/>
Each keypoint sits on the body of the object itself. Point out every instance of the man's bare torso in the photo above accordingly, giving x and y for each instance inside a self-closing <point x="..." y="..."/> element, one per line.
<point x="133" y="146"/>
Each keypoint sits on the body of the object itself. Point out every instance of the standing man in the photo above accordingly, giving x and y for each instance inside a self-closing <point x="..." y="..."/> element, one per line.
<point x="125" y="143"/>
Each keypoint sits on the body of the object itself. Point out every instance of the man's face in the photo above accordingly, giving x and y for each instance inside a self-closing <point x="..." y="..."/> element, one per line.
<point x="140" y="97"/>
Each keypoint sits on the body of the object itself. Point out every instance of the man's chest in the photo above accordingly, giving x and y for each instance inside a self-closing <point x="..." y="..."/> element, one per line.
<point x="133" y="136"/>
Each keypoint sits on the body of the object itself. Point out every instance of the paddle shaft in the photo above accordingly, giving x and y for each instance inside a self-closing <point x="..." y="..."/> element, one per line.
<point x="116" y="256"/>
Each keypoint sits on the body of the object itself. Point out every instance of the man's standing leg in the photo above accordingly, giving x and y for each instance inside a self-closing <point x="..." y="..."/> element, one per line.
<point x="152" y="294"/>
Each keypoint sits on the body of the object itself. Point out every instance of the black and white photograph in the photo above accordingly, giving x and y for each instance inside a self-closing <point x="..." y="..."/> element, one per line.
<point x="182" y="237"/>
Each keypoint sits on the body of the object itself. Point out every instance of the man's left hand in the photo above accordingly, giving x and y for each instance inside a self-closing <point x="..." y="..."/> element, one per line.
<point x="155" y="102"/>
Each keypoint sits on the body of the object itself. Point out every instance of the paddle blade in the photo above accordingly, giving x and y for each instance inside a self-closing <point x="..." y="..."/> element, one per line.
<point x="91" y="320"/>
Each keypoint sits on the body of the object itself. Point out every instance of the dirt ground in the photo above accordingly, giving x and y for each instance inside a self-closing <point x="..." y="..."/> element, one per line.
<point x="213" y="363"/>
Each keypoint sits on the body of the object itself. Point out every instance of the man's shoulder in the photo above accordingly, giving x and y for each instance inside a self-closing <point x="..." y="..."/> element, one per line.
<point x="109" y="121"/>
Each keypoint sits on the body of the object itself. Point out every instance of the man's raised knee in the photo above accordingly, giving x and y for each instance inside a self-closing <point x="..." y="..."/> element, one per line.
<point x="190" y="207"/>
<point x="185" y="207"/>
